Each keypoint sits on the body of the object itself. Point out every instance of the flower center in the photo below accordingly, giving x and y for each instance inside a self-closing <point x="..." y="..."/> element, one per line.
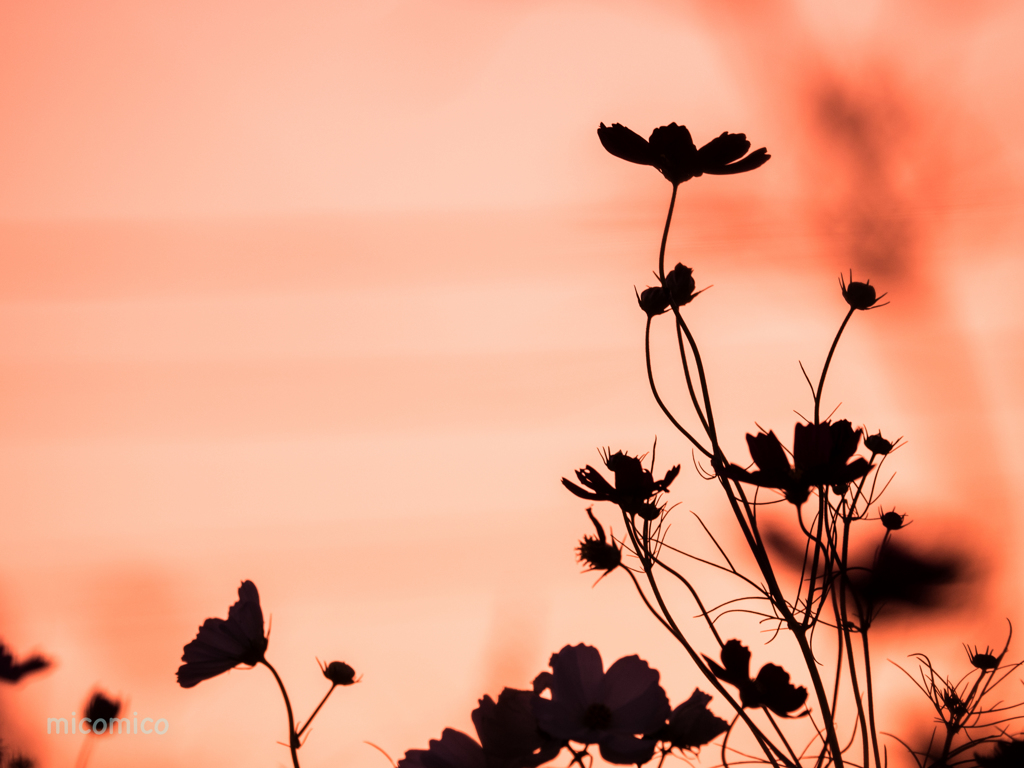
<point x="597" y="717"/>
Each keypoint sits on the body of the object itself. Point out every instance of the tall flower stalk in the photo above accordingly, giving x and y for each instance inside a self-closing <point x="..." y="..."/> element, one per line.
<point x="829" y="489"/>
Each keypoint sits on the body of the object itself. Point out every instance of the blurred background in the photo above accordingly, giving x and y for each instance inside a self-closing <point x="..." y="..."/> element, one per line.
<point x="329" y="296"/>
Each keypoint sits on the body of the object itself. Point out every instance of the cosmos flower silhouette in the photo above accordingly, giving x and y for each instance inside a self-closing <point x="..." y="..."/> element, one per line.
<point x="508" y="731"/>
<point x="611" y="709"/>
<point x="692" y="724"/>
<point x="635" y="488"/>
<point x="509" y="738"/>
<point x="223" y="644"/>
<point x="820" y="456"/>
<point x="596" y="552"/>
<point x="453" y="750"/>
<point x="771" y="688"/>
<point x="671" y="150"/>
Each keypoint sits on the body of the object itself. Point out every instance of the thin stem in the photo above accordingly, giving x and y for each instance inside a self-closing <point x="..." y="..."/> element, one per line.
<point x="828" y="360"/>
<point x="322" y="702"/>
<point x="657" y="397"/>
<point x="292" y="736"/>
<point x="769" y="749"/>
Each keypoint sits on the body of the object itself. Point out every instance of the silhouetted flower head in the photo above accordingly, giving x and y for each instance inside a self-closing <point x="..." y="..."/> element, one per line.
<point x="653" y="301"/>
<point x="610" y="709"/>
<point x="859" y="295"/>
<point x="671" y="150"/>
<point x="691" y="724"/>
<point x="101" y="708"/>
<point x="453" y="750"/>
<point x="771" y="688"/>
<point x="820" y="456"/>
<point x="635" y="488"/>
<point x="893" y="521"/>
<point x="339" y="673"/>
<point x="878" y="445"/>
<point x="221" y="645"/>
<point x="509" y="733"/>
<point x="984" y="660"/>
<point x="12" y="672"/>
<point x="597" y="552"/>
<point x="1008" y="754"/>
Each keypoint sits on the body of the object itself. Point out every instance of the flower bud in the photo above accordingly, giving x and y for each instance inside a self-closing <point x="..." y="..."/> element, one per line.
<point x="653" y="301"/>
<point x="339" y="673"/>
<point x="858" y="295"/>
<point x="985" y="661"/>
<point x="893" y="521"/>
<point x="679" y="285"/>
<point x="878" y="445"/>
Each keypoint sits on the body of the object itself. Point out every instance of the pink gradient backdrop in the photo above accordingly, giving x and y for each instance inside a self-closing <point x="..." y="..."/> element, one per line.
<point x="329" y="297"/>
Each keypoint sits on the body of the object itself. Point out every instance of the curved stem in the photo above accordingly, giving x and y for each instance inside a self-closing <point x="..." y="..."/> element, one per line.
<point x="657" y="397"/>
<point x="292" y="736"/>
<point x="828" y="360"/>
<point x="322" y="702"/>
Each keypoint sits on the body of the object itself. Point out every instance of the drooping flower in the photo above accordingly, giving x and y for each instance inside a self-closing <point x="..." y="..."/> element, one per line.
<point x="597" y="552"/>
<point x="671" y="150"/>
<point x="509" y="734"/>
<point x="223" y="644"/>
<point x="692" y="725"/>
<point x="820" y="456"/>
<point x="12" y="672"/>
<point x="635" y="488"/>
<point x="771" y="688"/>
<point x="612" y="709"/>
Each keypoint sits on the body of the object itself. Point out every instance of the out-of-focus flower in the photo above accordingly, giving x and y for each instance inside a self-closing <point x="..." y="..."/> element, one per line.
<point x="771" y="688"/>
<point x="12" y="672"/>
<point x="859" y="295"/>
<point x="1008" y="754"/>
<point x="611" y="709"/>
<point x="509" y="734"/>
<point x="221" y="645"/>
<point x="878" y="445"/>
<point x="691" y="725"/>
<point x="820" y="456"/>
<point x="339" y="673"/>
<point x="671" y="150"/>
<point x="597" y="552"/>
<point x="900" y="578"/>
<point x="100" y="710"/>
<point x="634" y="489"/>
<point x="893" y="521"/>
<point x="453" y="750"/>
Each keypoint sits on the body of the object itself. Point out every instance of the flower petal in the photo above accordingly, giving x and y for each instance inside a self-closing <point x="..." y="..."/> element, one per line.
<point x="630" y="690"/>
<point x="626" y="144"/>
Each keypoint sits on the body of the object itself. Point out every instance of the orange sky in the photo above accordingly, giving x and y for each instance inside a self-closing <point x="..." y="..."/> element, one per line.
<point x="330" y="298"/>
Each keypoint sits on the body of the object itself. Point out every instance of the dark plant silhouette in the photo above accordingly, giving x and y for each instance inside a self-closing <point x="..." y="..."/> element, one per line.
<point x="223" y="644"/>
<point x="13" y="672"/>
